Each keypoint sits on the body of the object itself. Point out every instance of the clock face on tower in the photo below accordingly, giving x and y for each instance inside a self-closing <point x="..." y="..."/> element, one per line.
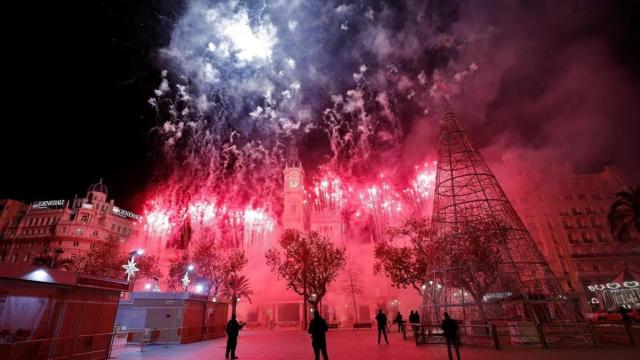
<point x="293" y="183"/>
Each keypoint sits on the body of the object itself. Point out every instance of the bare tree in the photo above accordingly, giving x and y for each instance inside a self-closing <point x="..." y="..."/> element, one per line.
<point x="308" y="263"/>
<point x="216" y="266"/>
<point x="351" y="283"/>
<point x="104" y="260"/>
<point x="474" y="264"/>
<point x="50" y="261"/>
<point x="406" y="265"/>
<point x="177" y="267"/>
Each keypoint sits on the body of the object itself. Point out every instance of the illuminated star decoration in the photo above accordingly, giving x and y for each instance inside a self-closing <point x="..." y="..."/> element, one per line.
<point x="130" y="268"/>
<point x="186" y="280"/>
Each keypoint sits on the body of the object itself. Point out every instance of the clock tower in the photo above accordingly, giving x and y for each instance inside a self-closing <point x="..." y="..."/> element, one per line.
<point x="293" y="216"/>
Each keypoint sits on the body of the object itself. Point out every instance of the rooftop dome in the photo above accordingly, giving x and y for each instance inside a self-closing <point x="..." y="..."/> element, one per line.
<point x="99" y="187"/>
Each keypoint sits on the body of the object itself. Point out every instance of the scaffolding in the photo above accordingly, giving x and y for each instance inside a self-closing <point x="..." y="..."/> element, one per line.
<point x="484" y="264"/>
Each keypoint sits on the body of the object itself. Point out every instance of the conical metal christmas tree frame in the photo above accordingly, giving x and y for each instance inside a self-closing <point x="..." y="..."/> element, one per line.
<point x="484" y="265"/>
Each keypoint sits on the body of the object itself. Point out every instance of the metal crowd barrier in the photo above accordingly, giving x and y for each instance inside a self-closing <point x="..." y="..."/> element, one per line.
<point x="101" y="346"/>
<point x="555" y="335"/>
<point x="93" y="346"/>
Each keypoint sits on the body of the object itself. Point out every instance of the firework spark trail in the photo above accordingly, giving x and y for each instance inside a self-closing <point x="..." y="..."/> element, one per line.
<point x="247" y="82"/>
<point x="420" y="193"/>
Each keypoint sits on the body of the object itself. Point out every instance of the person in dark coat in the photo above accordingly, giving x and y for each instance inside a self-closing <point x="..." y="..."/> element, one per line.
<point x="414" y="319"/>
<point x="450" y="332"/>
<point x="317" y="329"/>
<point x="398" y="320"/>
<point x="381" y="319"/>
<point x="233" y="329"/>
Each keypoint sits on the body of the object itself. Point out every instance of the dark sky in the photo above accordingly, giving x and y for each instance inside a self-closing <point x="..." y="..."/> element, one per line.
<point x="79" y="75"/>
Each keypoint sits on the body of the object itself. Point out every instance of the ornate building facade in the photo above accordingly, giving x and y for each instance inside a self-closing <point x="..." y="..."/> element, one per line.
<point x="566" y="213"/>
<point x="65" y="227"/>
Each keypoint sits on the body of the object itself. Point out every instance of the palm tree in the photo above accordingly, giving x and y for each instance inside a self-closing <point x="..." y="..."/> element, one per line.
<point x="624" y="214"/>
<point x="234" y="288"/>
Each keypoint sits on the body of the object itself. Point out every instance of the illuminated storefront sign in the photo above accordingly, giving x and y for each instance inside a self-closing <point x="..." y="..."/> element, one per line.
<point x="125" y="214"/>
<point x="614" y="285"/>
<point x="47" y="204"/>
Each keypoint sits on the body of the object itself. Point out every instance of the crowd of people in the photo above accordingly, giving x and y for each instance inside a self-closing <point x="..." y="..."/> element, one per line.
<point x="318" y="328"/>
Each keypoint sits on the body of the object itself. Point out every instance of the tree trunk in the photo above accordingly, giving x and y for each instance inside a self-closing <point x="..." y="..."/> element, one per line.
<point x="234" y="305"/>
<point x="355" y="306"/>
<point x="314" y="306"/>
<point x="483" y="315"/>
<point x="304" y="310"/>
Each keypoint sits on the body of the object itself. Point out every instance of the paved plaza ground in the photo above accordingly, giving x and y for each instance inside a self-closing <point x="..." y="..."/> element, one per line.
<point x="359" y="345"/>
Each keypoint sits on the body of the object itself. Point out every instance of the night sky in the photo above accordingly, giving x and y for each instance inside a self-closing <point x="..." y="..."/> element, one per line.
<point x="563" y="81"/>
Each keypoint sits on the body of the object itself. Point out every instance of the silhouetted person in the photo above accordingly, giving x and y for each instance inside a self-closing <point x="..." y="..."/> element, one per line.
<point x="414" y="319"/>
<point x="233" y="329"/>
<point x="625" y="314"/>
<point x="381" y="319"/>
<point x="317" y="328"/>
<point x="398" y="320"/>
<point x="450" y="330"/>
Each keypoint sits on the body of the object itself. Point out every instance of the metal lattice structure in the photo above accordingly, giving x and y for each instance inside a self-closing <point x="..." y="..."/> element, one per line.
<point x="486" y="265"/>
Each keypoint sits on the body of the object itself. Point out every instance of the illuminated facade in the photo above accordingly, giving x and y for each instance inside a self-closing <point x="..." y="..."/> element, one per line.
<point x="305" y="214"/>
<point x="66" y="227"/>
<point x="566" y="213"/>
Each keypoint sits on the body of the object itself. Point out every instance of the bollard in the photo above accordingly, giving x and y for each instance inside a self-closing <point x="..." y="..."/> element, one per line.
<point x="494" y="334"/>
<point x="592" y="329"/>
<point x="543" y="340"/>
<point x="627" y="327"/>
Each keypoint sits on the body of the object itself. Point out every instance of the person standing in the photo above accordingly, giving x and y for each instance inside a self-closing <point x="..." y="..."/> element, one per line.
<point x="381" y="319"/>
<point x="450" y="332"/>
<point x="233" y="330"/>
<point x="416" y="320"/>
<point x="317" y="329"/>
<point x="412" y="321"/>
<point x="398" y="320"/>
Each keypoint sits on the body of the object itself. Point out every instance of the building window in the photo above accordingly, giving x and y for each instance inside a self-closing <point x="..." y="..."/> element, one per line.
<point x="26" y="257"/>
<point x="586" y="238"/>
<point x="76" y="243"/>
<point x="95" y="233"/>
<point x="596" y="268"/>
<point x="601" y="237"/>
<point x="566" y="225"/>
<point x="84" y="218"/>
